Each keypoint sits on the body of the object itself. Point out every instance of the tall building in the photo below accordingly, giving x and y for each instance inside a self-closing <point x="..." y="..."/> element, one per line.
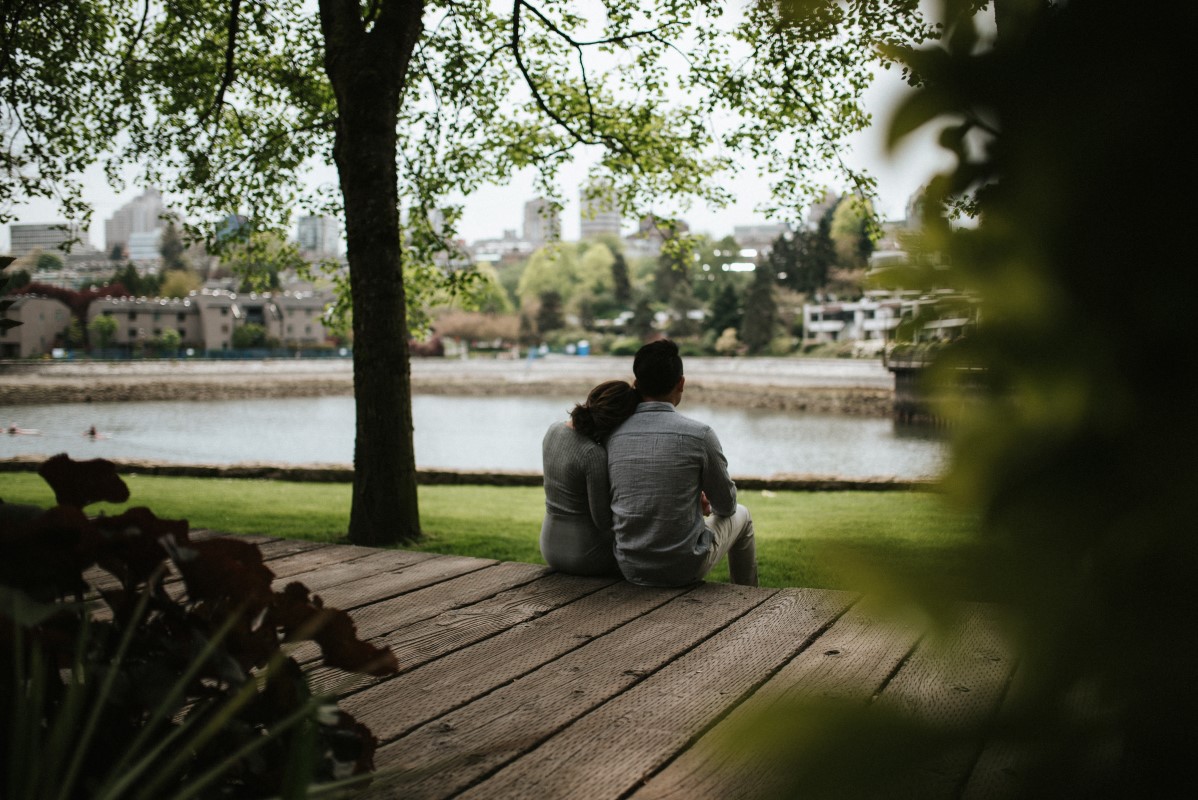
<point x="23" y="239"/>
<point x="755" y="240"/>
<point x="541" y="222"/>
<point x="142" y="214"/>
<point x="600" y="213"/>
<point x="318" y="236"/>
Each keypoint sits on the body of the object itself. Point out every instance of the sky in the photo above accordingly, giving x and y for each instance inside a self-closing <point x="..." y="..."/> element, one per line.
<point x="491" y="210"/>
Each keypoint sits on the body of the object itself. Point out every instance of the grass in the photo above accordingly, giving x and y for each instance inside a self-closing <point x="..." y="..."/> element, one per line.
<point x="839" y="540"/>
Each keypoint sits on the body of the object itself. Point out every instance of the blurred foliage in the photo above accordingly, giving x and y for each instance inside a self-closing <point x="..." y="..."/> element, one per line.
<point x="147" y="691"/>
<point x="1073" y="448"/>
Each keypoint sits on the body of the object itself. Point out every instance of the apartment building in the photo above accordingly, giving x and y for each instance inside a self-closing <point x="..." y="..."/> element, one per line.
<point x="44" y="321"/>
<point x="206" y="320"/>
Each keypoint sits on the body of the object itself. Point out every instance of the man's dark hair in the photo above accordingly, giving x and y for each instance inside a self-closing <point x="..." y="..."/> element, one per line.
<point x="657" y="367"/>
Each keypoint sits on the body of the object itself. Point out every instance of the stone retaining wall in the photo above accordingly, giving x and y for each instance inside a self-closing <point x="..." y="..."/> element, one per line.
<point x="329" y="473"/>
<point x="859" y="401"/>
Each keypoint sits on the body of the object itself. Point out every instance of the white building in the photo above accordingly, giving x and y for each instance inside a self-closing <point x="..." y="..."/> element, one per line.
<point x="318" y="237"/>
<point x="758" y="240"/>
<point x="23" y="239"/>
<point x="541" y="222"/>
<point x="141" y="215"/>
<point x="600" y="213"/>
<point x="142" y="247"/>
<point x="500" y="251"/>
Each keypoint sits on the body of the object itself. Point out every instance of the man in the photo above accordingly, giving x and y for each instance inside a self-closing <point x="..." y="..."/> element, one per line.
<point x="674" y="509"/>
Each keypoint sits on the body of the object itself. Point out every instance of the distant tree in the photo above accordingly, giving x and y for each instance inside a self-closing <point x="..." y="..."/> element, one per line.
<point x="728" y="344"/>
<point x="642" y="317"/>
<point x="17" y="279"/>
<point x="259" y="258"/>
<point x="101" y="331"/>
<point x="621" y="283"/>
<point x="673" y="268"/>
<point x="248" y="335"/>
<point x="168" y="342"/>
<point x="802" y="261"/>
<point x="47" y="262"/>
<point x="682" y="303"/>
<point x="78" y="300"/>
<point x="75" y="337"/>
<point x="852" y="231"/>
<point x="487" y="293"/>
<point x="551" y="268"/>
<point x="117" y="252"/>
<point x="179" y="283"/>
<point x="138" y="285"/>
<point x="549" y="316"/>
<point x="761" y="310"/>
<point x="725" y="309"/>
<point x="172" y="247"/>
<point x="594" y="274"/>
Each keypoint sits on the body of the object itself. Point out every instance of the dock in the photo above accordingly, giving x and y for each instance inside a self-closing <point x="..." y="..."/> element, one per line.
<point x="516" y="681"/>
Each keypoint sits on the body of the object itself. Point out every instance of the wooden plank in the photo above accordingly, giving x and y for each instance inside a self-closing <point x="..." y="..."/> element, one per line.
<point x="849" y="662"/>
<point x="401" y="704"/>
<point x="314" y="559"/>
<point x="459" y="627"/>
<point x="278" y="548"/>
<point x="953" y="683"/>
<point x="331" y="575"/>
<point x="461" y="747"/>
<point x="1017" y="766"/>
<point x="378" y="619"/>
<point x="424" y="572"/>
<point x="101" y="579"/>
<point x="610" y="751"/>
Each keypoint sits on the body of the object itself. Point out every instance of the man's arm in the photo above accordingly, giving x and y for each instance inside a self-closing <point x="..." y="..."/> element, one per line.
<point x="717" y="483"/>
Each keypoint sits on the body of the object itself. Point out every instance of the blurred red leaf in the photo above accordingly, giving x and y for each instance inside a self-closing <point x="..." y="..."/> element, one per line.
<point x="334" y="631"/>
<point x="130" y="545"/>
<point x="81" y="483"/>
<point x="45" y="555"/>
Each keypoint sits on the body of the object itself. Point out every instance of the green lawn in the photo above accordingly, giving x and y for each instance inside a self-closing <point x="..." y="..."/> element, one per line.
<point x="844" y="540"/>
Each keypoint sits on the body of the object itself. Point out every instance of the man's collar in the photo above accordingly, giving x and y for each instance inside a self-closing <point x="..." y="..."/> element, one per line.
<point x="654" y="405"/>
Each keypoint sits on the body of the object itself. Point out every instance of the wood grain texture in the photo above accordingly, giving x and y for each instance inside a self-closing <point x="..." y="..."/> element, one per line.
<point x="615" y="748"/>
<point x="459" y="627"/>
<point x="467" y="744"/>
<point x="953" y="683"/>
<point x="454" y="680"/>
<point x="849" y="662"/>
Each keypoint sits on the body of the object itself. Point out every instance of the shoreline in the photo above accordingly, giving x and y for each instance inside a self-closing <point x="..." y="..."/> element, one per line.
<point x="332" y="473"/>
<point x="772" y="384"/>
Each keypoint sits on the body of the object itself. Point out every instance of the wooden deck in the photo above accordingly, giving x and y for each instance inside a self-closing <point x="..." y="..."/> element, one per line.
<point x="516" y="681"/>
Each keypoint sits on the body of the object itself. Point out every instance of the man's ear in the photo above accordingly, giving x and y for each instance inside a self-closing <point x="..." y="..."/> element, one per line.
<point x="681" y="385"/>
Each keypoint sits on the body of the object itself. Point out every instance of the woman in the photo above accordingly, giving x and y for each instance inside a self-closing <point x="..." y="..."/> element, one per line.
<point x="576" y="535"/>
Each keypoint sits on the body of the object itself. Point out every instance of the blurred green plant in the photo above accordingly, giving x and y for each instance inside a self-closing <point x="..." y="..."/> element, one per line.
<point x="1074" y="445"/>
<point x="118" y="685"/>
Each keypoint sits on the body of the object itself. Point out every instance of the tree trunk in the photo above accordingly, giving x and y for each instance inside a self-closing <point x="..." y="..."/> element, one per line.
<point x="367" y="69"/>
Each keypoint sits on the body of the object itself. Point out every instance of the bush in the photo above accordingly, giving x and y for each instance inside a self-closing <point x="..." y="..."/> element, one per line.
<point x="625" y="346"/>
<point x="153" y="687"/>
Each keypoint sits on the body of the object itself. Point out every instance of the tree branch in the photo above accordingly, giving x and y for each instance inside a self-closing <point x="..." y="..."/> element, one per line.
<point x="230" y="50"/>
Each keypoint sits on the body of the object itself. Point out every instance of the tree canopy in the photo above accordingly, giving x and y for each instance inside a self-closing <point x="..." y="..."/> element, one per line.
<point x="227" y="105"/>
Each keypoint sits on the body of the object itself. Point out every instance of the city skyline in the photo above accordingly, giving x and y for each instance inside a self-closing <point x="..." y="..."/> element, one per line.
<point x="492" y="210"/>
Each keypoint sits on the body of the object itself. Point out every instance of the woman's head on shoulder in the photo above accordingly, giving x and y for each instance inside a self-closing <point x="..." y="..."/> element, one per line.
<point x="606" y="406"/>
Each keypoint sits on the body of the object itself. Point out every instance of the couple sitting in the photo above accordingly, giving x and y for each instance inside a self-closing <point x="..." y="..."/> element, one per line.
<point x="633" y="488"/>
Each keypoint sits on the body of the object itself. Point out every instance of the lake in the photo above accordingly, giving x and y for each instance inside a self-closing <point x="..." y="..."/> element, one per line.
<point x="470" y="433"/>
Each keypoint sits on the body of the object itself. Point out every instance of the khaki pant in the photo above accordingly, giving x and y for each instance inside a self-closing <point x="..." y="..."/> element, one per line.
<point x="733" y="537"/>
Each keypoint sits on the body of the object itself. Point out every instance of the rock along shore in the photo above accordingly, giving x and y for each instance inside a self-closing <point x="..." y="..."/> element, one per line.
<point x="329" y="473"/>
<point x="815" y="385"/>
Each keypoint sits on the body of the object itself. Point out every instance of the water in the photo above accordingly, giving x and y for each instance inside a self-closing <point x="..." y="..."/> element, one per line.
<point x="472" y="433"/>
